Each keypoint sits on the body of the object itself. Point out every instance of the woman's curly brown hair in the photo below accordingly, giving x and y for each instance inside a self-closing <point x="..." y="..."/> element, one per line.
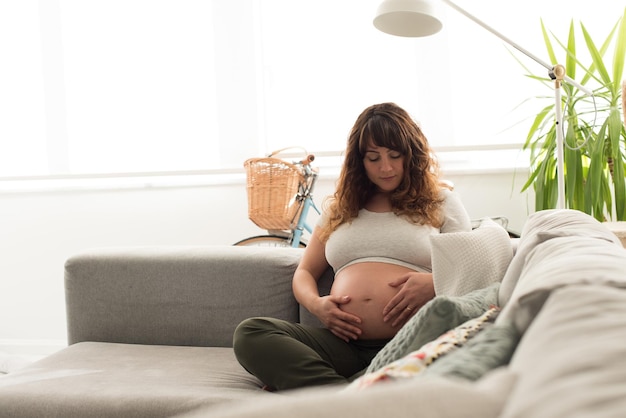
<point x="418" y="195"/>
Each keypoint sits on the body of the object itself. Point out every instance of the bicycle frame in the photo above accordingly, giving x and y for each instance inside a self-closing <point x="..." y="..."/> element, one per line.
<point x="307" y="204"/>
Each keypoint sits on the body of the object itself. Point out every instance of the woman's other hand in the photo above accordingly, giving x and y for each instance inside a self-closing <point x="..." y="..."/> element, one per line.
<point x="343" y="324"/>
<point x="416" y="289"/>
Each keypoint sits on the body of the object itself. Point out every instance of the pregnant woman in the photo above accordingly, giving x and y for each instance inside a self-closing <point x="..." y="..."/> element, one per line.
<point x="374" y="233"/>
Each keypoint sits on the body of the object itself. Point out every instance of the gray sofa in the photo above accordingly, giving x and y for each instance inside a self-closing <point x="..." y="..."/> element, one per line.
<point x="150" y="330"/>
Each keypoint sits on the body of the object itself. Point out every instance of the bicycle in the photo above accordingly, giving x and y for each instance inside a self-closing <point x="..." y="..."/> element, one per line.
<point x="280" y="195"/>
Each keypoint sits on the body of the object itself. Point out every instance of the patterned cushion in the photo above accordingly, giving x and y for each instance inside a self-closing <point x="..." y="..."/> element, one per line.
<point x="491" y="348"/>
<point x="417" y="361"/>
<point x="436" y="317"/>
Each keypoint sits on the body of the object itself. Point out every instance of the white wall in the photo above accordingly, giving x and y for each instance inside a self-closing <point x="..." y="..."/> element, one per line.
<point x="40" y="230"/>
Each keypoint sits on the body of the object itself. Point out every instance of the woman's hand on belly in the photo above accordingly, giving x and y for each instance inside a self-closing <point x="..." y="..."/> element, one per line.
<point x="377" y="292"/>
<point x="414" y="291"/>
<point x="344" y="325"/>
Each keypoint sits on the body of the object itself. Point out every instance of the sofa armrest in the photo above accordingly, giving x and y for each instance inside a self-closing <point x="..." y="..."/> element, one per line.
<point x="176" y="295"/>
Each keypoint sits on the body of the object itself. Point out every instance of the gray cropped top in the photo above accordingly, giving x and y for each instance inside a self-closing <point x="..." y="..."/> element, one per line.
<point x="386" y="237"/>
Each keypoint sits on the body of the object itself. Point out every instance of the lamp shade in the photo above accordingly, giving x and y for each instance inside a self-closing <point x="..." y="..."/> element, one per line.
<point x="410" y="18"/>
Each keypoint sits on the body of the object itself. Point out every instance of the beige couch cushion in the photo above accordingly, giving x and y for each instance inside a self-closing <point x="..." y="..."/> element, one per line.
<point x="541" y="227"/>
<point x="125" y="380"/>
<point x="560" y="262"/>
<point x="572" y="360"/>
<point x="432" y="398"/>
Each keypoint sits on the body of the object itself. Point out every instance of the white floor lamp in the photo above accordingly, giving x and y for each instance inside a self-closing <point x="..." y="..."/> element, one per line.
<point x="417" y="18"/>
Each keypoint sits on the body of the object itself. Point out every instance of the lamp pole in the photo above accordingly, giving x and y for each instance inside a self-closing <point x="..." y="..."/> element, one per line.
<point x="557" y="74"/>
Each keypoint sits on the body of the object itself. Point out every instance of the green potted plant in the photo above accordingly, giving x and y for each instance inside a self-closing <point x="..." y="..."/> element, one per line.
<point x="594" y="134"/>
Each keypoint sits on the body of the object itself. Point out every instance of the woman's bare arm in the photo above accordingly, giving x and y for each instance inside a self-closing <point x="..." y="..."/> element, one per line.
<point x="326" y="308"/>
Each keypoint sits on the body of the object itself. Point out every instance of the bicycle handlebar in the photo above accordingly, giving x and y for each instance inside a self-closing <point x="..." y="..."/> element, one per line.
<point x="308" y="160"/>
<point x="305" y="162"/>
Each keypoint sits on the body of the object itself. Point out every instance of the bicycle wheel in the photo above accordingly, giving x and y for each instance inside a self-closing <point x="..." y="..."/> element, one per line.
<point x="267" y="241"/>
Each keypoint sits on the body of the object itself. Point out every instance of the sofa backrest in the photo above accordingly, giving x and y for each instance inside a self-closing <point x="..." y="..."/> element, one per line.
<point x="178" y="295"/>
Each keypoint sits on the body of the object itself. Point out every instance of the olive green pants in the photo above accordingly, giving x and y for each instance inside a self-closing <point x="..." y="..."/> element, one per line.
<point x="285" y="355"/>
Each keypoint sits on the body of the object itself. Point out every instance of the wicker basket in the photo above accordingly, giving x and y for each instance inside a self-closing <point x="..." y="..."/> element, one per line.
<point x="272" y="186"/>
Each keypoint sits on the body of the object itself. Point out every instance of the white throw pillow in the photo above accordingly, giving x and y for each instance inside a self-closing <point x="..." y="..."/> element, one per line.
<point x="466" y="261"/>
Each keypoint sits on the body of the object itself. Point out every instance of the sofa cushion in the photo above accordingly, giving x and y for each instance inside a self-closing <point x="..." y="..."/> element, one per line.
<point x="125" y="380"/>
<point x="466" y="261"/>
<point x="542" y="226"/>
<point x="433" y="398"/>
<point x="572" y="360"/>
<point x="560" y="262"/>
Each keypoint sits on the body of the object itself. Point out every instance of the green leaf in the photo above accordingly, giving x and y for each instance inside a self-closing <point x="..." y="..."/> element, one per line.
<point x="605" y="45"/>
<point x="597" y="175"/>
<point x="614" y="123"/>
<point x="615" y="129"/>
<point x="573" y="171"/>
<point x="570" y="59"/>
<point x="537" y="123"/>
<point x="619" y="188"/>
<point x="596" y="57"/>
<point x="620" y="51"/>
<point x="530" y="181"/>
<point x="606" y="202"/>
<point x="546" y="39"/>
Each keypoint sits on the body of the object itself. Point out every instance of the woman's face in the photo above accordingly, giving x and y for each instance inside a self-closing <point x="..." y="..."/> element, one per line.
<point x="384" y="167"/>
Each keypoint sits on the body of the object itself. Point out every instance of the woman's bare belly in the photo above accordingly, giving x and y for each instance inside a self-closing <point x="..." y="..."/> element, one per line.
<point x="367" y="284"/>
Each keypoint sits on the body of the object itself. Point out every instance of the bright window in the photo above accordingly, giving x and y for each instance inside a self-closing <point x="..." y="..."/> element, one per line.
<point x="123" y="86"/>
<point x="23" y="148"/>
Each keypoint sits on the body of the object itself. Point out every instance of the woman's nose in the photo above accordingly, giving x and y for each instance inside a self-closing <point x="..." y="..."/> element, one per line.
<point x="385" y="164"/>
